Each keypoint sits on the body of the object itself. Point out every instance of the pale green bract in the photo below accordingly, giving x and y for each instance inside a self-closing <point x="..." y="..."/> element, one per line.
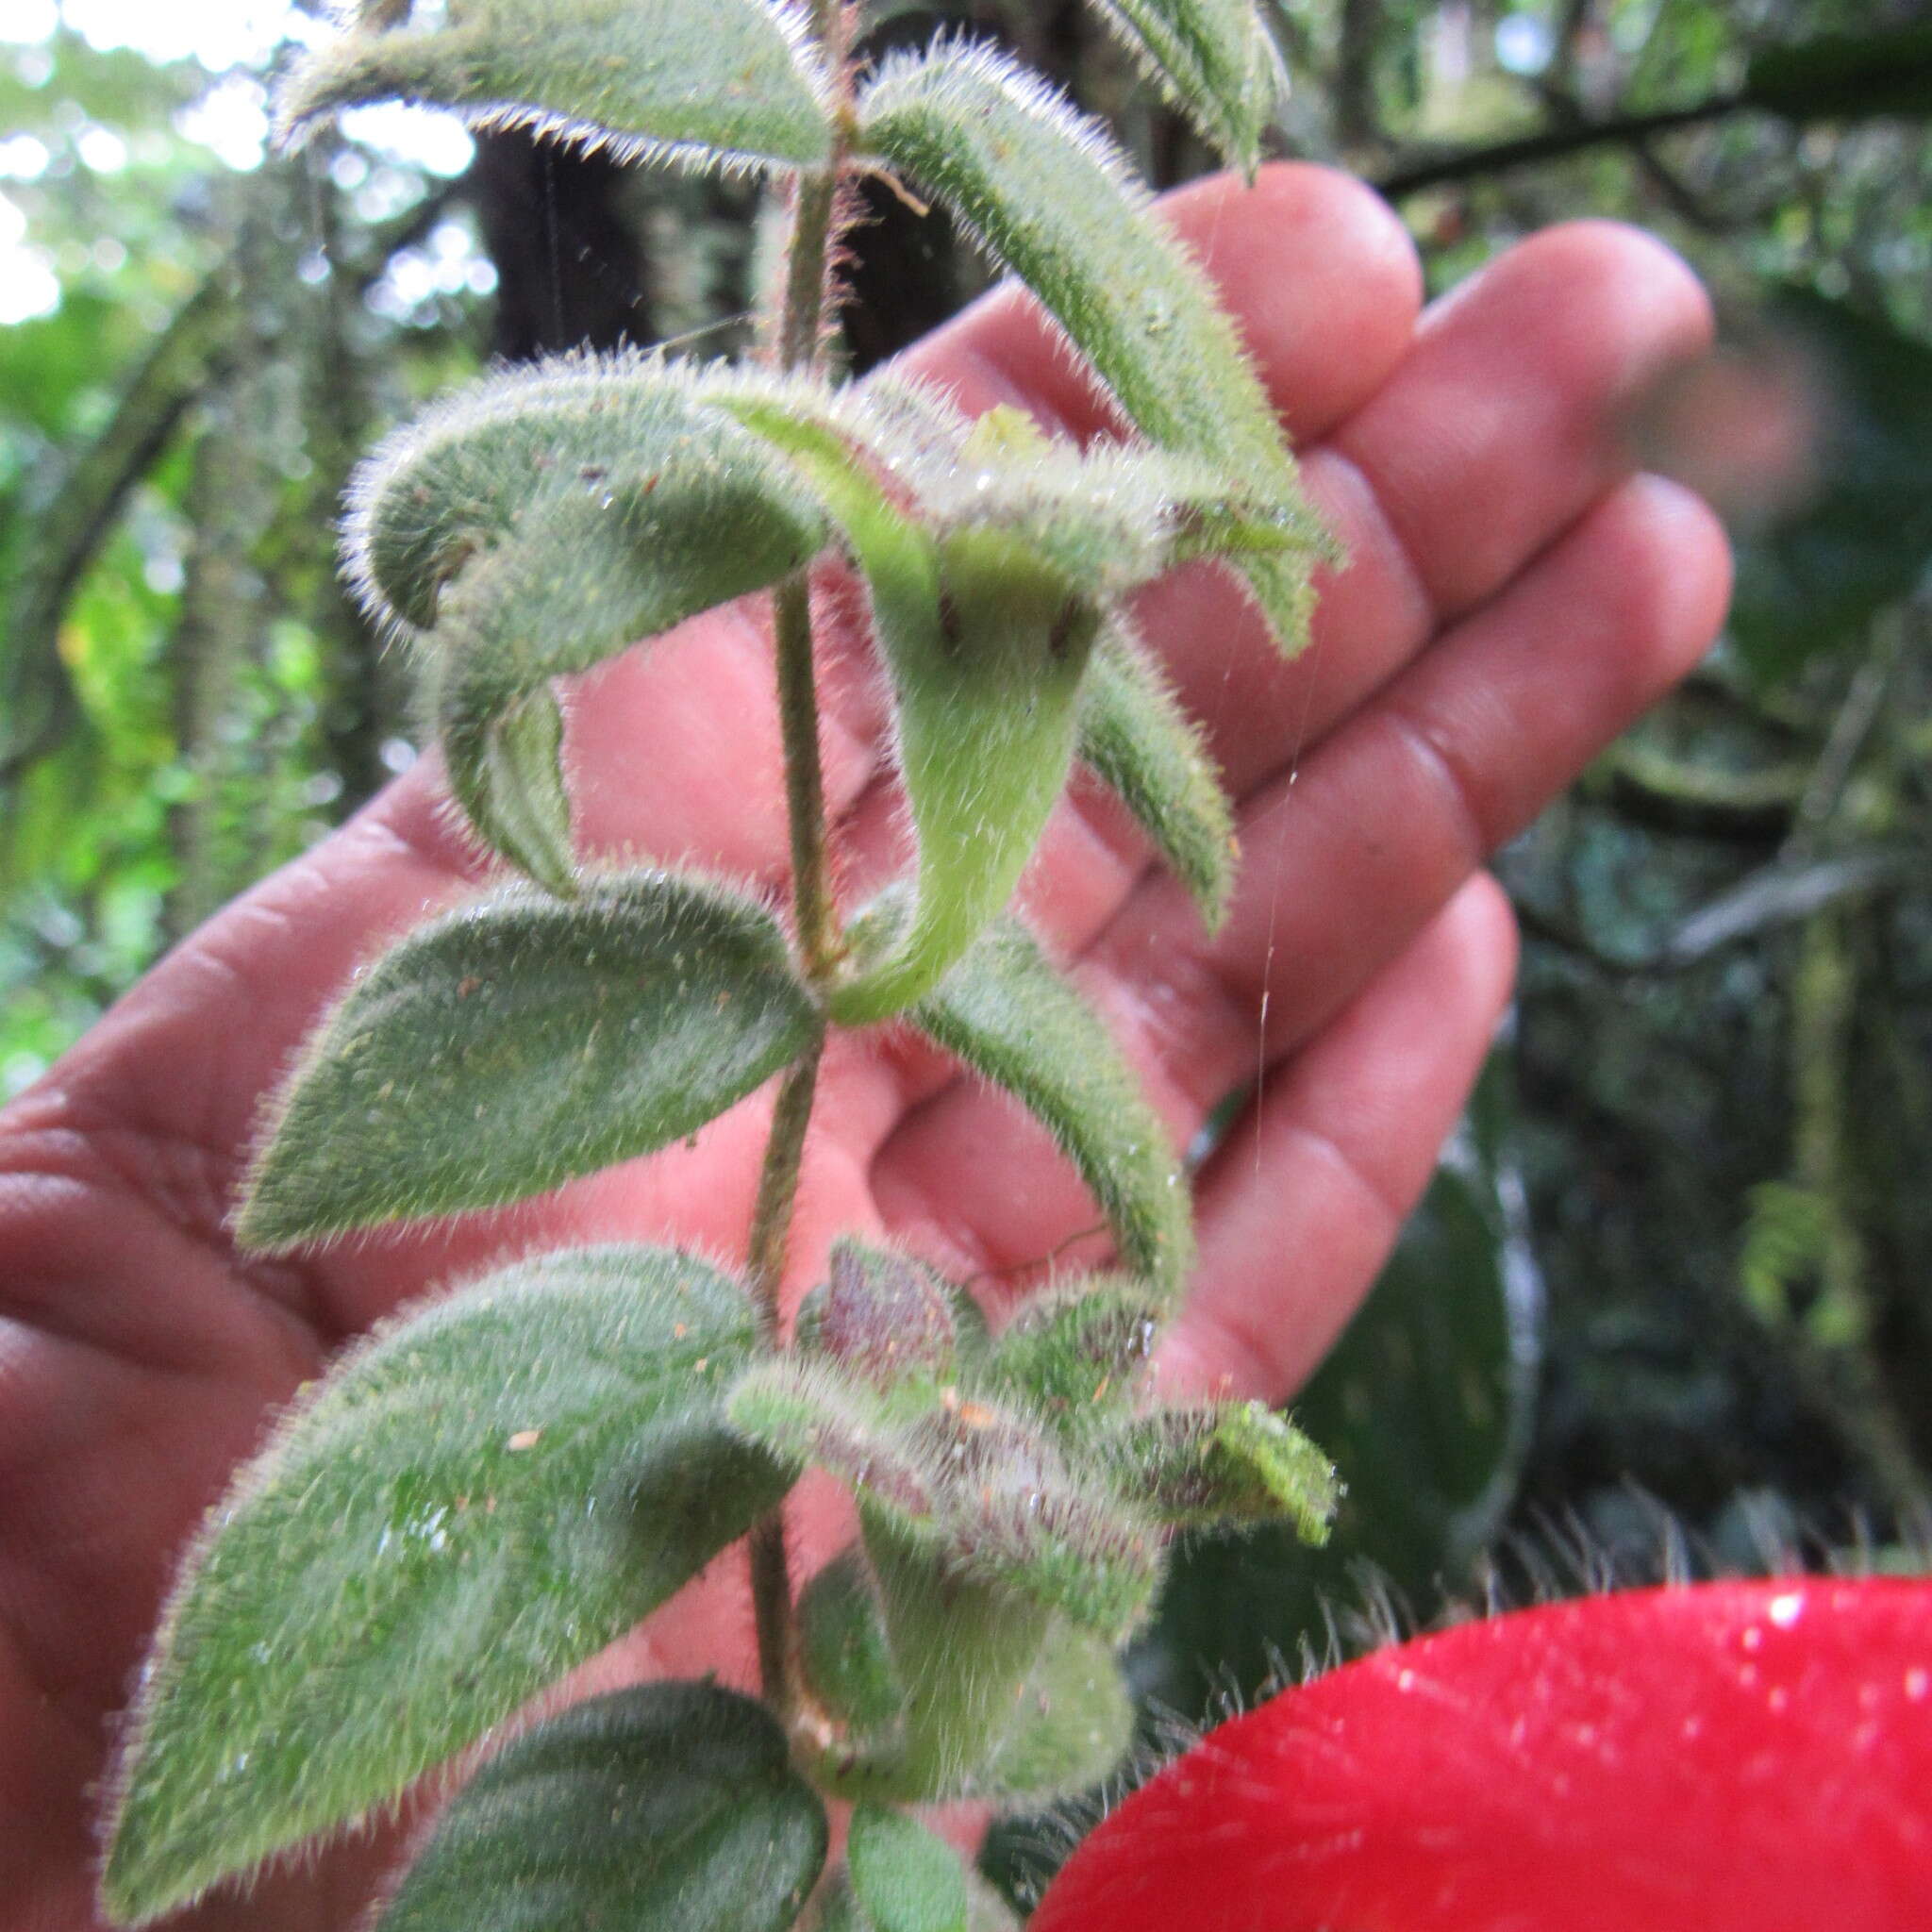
<point x="480" y="1496"/>
<point x="667" y="1807"/>
<point x="701" y="83"/>
<point x="1050" y="195"/>
<point x="520" y="1040"/>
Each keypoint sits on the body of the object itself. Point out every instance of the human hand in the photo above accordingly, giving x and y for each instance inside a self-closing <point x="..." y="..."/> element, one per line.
<point x="1513" y="600"/>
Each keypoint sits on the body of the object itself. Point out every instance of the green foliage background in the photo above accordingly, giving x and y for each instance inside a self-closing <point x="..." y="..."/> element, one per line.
<point x="1668" y="1301"/>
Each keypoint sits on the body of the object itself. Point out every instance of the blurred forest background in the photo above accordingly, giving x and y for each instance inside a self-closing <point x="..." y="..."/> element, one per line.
<point x="1667" y="1307"/>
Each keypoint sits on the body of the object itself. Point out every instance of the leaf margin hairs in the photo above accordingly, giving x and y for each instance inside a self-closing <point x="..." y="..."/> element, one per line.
<point x="348" y="73"/>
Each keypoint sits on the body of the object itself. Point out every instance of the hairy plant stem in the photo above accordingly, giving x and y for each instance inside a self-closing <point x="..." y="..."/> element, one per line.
<point x="800" y="336"/>
<point x="770" y="1226"/>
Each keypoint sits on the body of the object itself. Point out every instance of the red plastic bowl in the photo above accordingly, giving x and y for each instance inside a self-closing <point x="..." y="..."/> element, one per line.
<point x="1729" y="1757"/>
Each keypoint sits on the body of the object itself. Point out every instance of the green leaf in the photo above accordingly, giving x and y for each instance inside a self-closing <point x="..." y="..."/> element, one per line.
<point x="698" y="82"/>
<point x="1013" y="1020"/>
<point x="1051" y="196"/>
<point x="844" y="1655"/>
<point x="1011" y="1702"/>
<point x="506" y="771"/>
<point x="968" y="1644"/>
<point x="1136" y="737"/>
<point x="1424" y="1406"/>
<point x="1228" y="1463"/>
<point x="1216" y="60"/>
<point x="1846" y="76"/>
<point x="1071" y="1726"/>
<point x="986" y="640"/>
<point x="984" y="1488"/>
<point x="542" y="523"/>
<point x="669" y="1808"/>
<point x="479" y="1497"/>
<point x="641" y="475"/>
<point x="520" y="1040"/>
<point x="1077" y="1357"/>
<point x="903" y="1878"/>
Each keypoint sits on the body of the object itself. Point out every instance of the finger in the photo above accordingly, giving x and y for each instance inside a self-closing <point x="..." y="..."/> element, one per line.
<point x="1346" y="858"/>
<point x="1302" y="1202"/>
<point x="1503" y="425"/>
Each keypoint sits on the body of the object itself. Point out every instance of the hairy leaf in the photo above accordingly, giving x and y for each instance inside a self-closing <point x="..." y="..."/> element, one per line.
<point x="1077" y="1355"/>
<point x="986" y="639"/>
<point x="606" y="500"/>
<point x="544" y="522"/>
<point x="1214" y="59"/>
<point x="902" y="1878"/>
<point x="481" y="1496"/>
<point x="845" y="1655"/>
<point x="1007" y="1701"/>
<point x="985" y="1490"/>
<point x="965" y="1648"/>
<point x="648" y="479"/>
<point x="1229" y="1463"/>
<point x="1051" y="195"/>
<point x="1071" y="1726"/>
<point x="667" y="1807"/>
<point x="1017" y="1023"/>
<point x="888" y="1317"/>
<point x="505" y="770"/>
<point x="1135" y="736"/>
<point x="699" y="82"/>
<point x="520" y="1040"/>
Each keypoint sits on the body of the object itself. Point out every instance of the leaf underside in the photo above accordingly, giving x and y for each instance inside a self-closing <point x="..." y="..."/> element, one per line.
<point x="667" y="1807"/>
<point x="1050" y="195"/>
<point x="1013" y="1020"/>
<point x="541" y="522"/>
<point x="986" y="640"/>
<point x="700" y="82"/>
<point x="521" y="1041"/>
<point x="628" y="450"/>
<point x="480" y="1497"/>
<point x="1214" y="59"/>
<point x="1135" y="736"/>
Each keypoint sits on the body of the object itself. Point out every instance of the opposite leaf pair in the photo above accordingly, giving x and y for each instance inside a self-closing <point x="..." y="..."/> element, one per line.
<point x="552" y="518"/>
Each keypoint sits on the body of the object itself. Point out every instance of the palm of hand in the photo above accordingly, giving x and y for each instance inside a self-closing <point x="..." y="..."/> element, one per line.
<point x="1470" y="465"/>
